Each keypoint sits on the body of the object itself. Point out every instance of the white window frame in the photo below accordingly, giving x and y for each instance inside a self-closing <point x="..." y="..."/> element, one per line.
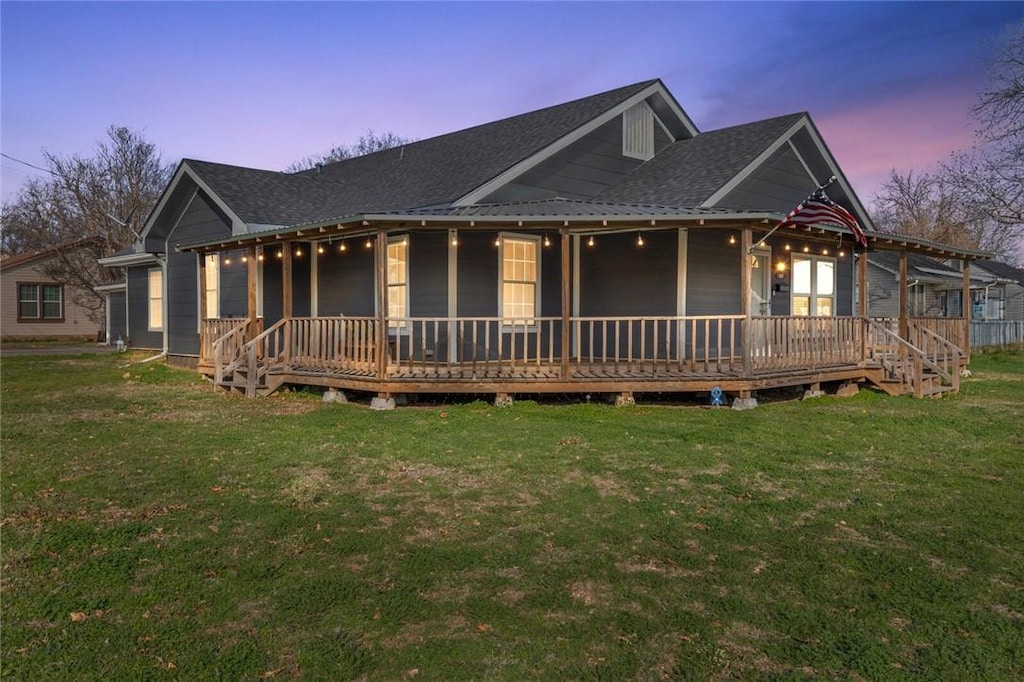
<point x="402" y="241"/>
<point x="155" y="298"/>
<point x="535" y="240"/>
<point x="212" y="272"/>
<point x="812" y="295"/>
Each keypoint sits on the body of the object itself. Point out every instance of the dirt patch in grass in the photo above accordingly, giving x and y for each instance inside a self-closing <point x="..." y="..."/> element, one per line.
<point x="590" y="592"/>
<point x="308" y="487"/>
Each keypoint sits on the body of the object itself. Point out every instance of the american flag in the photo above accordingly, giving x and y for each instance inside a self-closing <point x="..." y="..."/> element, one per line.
<point x="818" y="209"/>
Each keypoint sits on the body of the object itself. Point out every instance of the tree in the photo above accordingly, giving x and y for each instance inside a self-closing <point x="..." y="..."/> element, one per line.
<point x="366" y="144"/>
<point x="976" y="199"/>
<point x="989" y="178"/>
<point x="89" y="207"/>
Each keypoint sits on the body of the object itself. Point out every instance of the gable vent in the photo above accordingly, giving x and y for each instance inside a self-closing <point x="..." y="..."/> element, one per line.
<point x="638" y="132"/>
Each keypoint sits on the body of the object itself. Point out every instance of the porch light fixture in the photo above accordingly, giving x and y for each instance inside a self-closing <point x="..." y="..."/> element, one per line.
<point x="780" y="266"/>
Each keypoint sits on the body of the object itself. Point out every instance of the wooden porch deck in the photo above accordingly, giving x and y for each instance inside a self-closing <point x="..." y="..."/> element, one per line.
<point x="646" y="354"/>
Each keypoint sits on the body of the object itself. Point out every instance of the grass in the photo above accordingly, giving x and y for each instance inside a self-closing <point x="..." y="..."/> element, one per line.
<point x="154" y="529"/>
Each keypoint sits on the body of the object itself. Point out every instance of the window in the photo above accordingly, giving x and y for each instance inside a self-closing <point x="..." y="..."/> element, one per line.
<point x="518" y="279"/>
<point x="638" y="132"/>
<point x="398" y="280"/>
<point x="211" y="285"/>
<point x="814" y="285"/>
<point x="44" y="302"/>
<point x="156" y="300"/>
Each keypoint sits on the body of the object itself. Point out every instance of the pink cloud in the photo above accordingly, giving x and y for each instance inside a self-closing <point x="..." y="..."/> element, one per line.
<point x="915" y="131"/>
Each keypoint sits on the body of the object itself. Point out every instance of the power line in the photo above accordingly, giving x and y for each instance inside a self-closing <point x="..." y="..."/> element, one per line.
<point x="30" y="165"/>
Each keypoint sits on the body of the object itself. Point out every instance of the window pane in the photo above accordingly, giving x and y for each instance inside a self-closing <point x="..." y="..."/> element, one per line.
<point x="212" y="285"/>
<point x="801" y="276"/>
<point x="826" y="278"/>
<point x="801" y="305"/>
<point x="28" y="301"/>
<point x="156" y="299"/>
<point x="52" y="302"/>
<point x="824" y="306"/>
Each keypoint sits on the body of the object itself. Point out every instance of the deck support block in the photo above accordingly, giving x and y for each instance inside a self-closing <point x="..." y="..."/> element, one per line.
<point x="625" y="399"/>
<point x="334" y="396"/>
<point x="382" y="402"/>
<point x="847" y="390"/>
<point x="503" y="400"/>
<point x="813" y="391"/>
<point x="744" y="403"/>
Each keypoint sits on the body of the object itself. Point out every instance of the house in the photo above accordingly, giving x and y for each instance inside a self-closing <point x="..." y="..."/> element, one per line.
<point x="1002" y="294"/>
<point x="38" y="306"/>
<point x="933" y="287"/>
<point x="600" y="245"/>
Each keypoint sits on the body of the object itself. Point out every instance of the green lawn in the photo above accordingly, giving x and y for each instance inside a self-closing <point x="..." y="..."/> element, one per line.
<point x="155" y="529"/>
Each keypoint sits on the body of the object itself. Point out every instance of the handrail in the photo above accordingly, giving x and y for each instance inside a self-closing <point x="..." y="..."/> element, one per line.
<point x="221" y="366"/>
<point x="951" y="355"/>
<point x="912" y="355"/>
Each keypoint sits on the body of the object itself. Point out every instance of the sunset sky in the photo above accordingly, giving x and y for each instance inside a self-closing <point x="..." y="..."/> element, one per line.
<point x="264" y="84"/>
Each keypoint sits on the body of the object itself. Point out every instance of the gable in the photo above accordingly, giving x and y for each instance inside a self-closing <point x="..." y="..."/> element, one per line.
<point x="778" y="184"/>
<point x="584" y="168"/>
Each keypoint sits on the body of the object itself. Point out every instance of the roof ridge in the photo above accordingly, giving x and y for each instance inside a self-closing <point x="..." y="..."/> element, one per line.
<point x="631" y="89"/>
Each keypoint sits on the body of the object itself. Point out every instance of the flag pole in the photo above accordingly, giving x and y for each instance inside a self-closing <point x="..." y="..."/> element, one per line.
<point x="792" y="213"/>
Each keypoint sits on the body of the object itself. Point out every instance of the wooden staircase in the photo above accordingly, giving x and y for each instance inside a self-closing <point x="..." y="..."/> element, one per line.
<point x="929" y="368"/>
<point x="248" y="367"/>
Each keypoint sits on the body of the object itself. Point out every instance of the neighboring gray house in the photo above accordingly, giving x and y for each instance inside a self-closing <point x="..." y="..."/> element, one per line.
<point x="1002" y="294"/>
<point x="601" y="245"/>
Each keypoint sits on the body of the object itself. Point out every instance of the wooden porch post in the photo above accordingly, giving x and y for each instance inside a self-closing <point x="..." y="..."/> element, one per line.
<point x="566" y="303"/>
<point x="745" y="278"/>
<point x="286" y="280"/>
<point x="903" y="295"/>
<point x="250" y="283"/>
<point x="380" y="270"/>
<point x="862" y="301"/>
<point x="202" y="307"/>
<point x="967" y="308"/>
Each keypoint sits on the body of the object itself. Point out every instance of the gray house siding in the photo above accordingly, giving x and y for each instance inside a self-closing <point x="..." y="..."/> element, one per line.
<point x="138" y="309"/>
<point x="345" y="281"/>
<point x="712" y="274"/>
<point x="234" y="285"/>
<point x="779" y="185"/>
<point x="582" y="170"/>
<point x="273" y="301"/>
<point x="117" y="302"/>
<point x="199" y="220"/>
<point x="610" y="284"/>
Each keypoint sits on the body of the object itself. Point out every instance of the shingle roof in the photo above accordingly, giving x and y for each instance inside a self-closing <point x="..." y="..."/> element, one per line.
<point x="262" y="196"/>
<point x="562" y="208"/>
<point x="688" y="172"/>
<point x="444" y="168"/>
<point x="1005" y="271"/>
<point x="434" y="171"/>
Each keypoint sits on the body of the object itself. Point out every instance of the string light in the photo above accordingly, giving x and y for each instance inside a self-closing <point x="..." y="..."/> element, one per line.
<point x="227" y="261"/>
<point x="245" y="259"/>
<point x="786" y="247"/>
<point x="640" y="239"/>
<point x="497" y="240"/>
<point x="590" y="240"/>
<point x="547" y="242"/>
<point x="732" y="240"/>
<point x="298" y="251"/>
<point x="842" y="253"/>
<point x="824" y="252"/>
<point x="342" y="248"/>
<point x="280" y="254"/>
<point x="807" y="249"/>
<point x="369" y="243"/>
<point x="320" y="248"/>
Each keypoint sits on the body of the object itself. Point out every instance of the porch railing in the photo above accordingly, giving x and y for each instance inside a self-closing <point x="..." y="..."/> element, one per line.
<point x="213" y="329"/>
<point x="791" y="343"/>
<point x="489" y="348"/>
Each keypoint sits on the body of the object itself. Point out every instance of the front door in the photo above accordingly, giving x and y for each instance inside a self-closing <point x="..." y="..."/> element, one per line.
<point x="761" y="282"/>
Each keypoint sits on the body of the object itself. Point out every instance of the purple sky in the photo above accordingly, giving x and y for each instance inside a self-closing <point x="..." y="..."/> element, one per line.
<point x="264" y="84"/>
